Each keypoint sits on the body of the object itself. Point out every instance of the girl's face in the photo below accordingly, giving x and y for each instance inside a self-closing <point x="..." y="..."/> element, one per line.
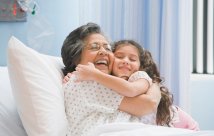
<point x="126" y="61"/>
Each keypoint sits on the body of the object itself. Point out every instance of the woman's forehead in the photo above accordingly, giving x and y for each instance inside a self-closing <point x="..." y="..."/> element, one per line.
<point x="97" y="38"/>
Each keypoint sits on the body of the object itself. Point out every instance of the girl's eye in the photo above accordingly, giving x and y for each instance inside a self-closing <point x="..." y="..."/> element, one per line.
<point x="119" y="56"/>
<point x="133" y="59"/>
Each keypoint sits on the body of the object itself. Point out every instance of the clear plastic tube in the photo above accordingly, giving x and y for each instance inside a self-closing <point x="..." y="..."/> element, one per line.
<point x="29" y="6"/>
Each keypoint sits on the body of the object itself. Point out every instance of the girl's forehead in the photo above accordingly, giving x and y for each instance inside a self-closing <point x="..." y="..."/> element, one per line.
<point x="127" y="47"/>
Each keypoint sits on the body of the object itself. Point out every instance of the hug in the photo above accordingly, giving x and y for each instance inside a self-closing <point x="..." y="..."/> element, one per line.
<point x="131" y="93"/>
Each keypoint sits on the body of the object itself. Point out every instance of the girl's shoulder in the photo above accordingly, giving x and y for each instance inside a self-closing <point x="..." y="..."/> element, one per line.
<point x="139" y="75"/>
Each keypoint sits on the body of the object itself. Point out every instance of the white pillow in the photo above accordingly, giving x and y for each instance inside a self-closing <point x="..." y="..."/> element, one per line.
<point x="9" y="117"/>
<point x="36" y="81"/>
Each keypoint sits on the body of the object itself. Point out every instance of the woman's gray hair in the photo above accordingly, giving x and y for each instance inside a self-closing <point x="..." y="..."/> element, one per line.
<point x="74" y="43"/>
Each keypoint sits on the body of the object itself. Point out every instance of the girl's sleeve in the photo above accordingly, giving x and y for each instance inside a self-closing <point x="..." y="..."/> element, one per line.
<point x="139" y="75"/>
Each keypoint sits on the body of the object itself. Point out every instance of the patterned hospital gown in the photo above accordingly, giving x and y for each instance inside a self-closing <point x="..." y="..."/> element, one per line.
<point x="89" y="104"/>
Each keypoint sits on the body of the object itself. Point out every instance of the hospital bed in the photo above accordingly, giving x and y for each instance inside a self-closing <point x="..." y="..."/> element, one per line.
<point x="31" y="100"/>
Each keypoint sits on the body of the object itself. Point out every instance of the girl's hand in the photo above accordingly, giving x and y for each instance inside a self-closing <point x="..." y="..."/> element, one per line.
<point x="66" y="78"/>
<point x="85" y="72"/>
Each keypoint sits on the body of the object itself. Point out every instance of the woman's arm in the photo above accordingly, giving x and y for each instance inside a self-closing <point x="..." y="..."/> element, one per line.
<point x="142" y="104"/>
<point x="121" y="86"/>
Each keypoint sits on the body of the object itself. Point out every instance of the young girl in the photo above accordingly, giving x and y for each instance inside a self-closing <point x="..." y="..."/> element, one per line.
<point x="132" y="63"/>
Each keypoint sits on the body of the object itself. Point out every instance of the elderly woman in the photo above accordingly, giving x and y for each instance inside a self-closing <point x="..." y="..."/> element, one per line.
<point x="88" y="104"/>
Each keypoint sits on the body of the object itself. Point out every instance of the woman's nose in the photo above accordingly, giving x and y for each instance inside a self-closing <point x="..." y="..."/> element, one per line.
<point x="102" y="52"/>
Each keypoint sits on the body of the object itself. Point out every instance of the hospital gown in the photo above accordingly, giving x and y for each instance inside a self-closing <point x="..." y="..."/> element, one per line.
<point x="89" y="104"/>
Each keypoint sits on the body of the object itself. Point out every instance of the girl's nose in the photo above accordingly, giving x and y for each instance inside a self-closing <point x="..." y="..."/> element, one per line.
<point x="125" y="61"/>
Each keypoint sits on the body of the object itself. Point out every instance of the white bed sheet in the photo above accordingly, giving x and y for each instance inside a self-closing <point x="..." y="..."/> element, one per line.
<point x="10" y="124"/>
<point x="138" y="129"/>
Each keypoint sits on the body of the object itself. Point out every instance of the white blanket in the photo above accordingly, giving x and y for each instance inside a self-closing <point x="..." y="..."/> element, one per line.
<point x="138" y="129"/>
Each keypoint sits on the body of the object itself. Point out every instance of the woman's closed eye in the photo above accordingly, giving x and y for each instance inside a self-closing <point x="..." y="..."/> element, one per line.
<point x="108" y="48"/>
<point x="97" y="46"/>
<point x="94" y="46"/>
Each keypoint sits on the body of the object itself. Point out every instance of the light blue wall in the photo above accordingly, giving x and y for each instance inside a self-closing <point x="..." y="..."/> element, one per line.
<point x="202" y="100"/>
<point x="62" y="16"/>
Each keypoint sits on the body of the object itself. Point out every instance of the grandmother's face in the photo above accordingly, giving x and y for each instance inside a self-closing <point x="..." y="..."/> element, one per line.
<point x="98" y="51"/>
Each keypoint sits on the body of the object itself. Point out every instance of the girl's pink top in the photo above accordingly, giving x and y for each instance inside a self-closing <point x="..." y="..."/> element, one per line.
<point x="184" y="120"/>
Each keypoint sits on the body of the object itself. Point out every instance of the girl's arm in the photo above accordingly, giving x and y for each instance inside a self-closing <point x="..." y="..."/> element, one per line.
<point x="66" y="78"/>
<point x="121" y="86"/>
<point x="140" y="105"/>
<point x="143" y="104"/>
